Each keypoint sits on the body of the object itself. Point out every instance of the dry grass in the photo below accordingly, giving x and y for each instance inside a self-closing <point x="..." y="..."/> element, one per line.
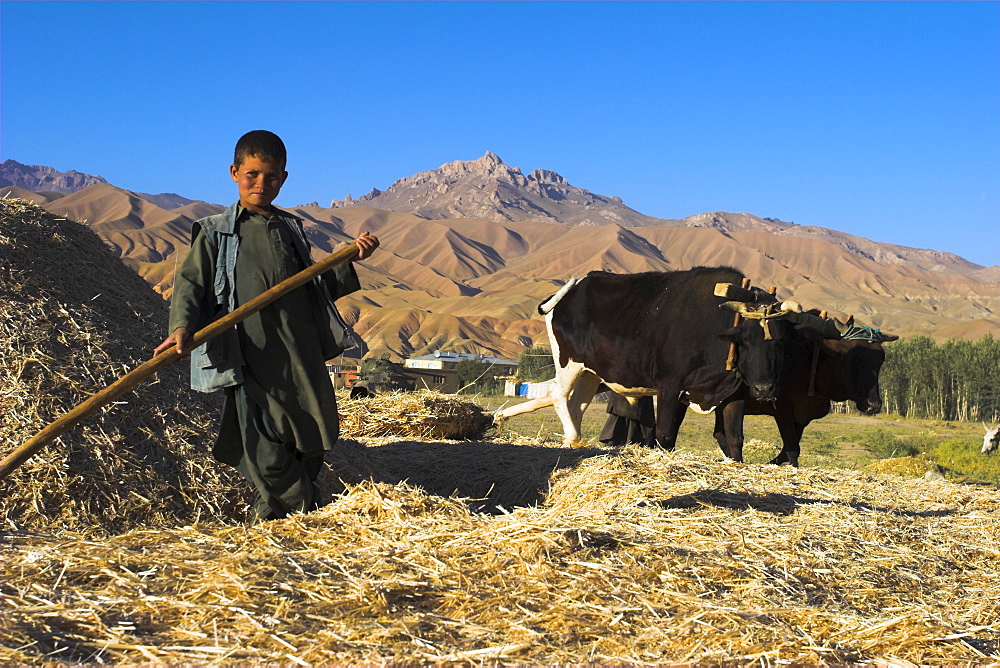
<point x="632" y="557"/>
<point x="438" y="551"/>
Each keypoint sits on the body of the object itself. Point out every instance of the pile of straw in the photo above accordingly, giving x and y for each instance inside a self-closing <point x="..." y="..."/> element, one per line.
<point x="918" y="466"/>
<point x="635" y="557"/>
<point x="422" y="414"/>
<point x="73" y="319"/>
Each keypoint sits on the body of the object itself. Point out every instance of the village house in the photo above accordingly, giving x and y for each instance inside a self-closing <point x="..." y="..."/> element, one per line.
<point x="441" y="359"/>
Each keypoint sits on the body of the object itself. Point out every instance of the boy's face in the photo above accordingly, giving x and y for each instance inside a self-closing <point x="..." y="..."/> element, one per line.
<point x="259" y="181"/>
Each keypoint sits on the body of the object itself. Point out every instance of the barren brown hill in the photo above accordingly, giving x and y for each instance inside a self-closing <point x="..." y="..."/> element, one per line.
<point x="490" y="189"/>
<point x="41" y="197"/>
<point x="145" y="236"/>
<point x="987" y="274"/>
<point x="170" y="201"/>
<point x="473" y="284"/>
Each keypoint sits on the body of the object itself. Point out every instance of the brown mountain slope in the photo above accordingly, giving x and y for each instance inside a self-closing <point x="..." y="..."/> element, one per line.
<point x="970" y="330"/>
<point x="196" y="210"/>
<point x="169" y="201"/>
<point x="37" y="197"/>
<point x="987" y="274"/>
<point x="145" y="236"/>
<point x="474" y="284"/>
<point x="930" y="260"/>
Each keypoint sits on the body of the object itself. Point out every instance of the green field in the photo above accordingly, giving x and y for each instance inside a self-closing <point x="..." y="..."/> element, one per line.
<point x="838" y="440"/>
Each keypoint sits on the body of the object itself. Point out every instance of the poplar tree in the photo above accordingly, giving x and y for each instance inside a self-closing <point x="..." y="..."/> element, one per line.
<point x="957" y="380"/>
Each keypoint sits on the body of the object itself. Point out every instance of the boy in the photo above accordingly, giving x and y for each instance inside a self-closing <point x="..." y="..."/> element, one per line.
<point x="280" y="411"/>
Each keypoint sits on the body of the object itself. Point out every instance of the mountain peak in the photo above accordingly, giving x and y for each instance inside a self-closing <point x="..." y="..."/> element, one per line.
<point x="490" y="158"/>
<point x="488" y="166"/>
<point x="489" y="188"/>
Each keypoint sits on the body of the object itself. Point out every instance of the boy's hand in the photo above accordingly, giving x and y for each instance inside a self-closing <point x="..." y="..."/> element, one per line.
<point x="180" y="337"/>
<point x="367" y="243"/>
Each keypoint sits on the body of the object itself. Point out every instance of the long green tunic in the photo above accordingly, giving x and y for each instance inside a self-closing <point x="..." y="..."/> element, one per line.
<point x="276" y="425"/>
<point x="285" y="372"/>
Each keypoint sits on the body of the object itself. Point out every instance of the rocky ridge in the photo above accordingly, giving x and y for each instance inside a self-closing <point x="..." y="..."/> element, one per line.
<point x="490" y="189"/>
<point x="45" y="179"/>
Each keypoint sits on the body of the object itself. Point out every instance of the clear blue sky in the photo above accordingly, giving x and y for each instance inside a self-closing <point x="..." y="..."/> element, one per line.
<point x="880" y="119"/>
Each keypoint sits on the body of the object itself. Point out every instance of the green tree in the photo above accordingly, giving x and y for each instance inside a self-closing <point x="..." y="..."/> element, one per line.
<point x="957" y="380"/>
<point x="475" y="377"/>
<point x="535" y="364"/>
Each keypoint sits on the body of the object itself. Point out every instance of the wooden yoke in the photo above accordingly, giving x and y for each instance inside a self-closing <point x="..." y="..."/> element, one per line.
<point x="128" y="382"/>
<point x="771" y="290"/>
<point x="731" y="359"/>
<point x="815" y="363"/>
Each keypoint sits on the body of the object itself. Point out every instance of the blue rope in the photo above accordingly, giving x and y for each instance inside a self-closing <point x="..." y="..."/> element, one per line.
<point x="863" y="333"/>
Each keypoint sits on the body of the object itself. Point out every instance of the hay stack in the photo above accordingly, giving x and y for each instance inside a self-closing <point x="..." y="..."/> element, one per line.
<point x="73" y="319"/>
<point x="421" y="414"/>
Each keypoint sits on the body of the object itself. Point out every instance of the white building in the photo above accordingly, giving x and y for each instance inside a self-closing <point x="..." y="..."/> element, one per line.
<point x="447" y="360"/>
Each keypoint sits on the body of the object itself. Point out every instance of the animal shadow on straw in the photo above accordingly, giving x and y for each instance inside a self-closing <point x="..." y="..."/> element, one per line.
<point x="493" y="476"/>
<point x="777" y="503"/>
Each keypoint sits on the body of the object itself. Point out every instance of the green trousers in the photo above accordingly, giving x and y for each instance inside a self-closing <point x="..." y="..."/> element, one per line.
<point x="284" y="480"/>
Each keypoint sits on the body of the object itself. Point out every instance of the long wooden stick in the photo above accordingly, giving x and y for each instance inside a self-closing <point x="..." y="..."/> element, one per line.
<point x="130" y="380"/>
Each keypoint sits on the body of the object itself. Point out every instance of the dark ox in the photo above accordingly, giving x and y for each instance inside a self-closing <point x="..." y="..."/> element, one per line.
<point x="846" y="370"/>
<point x="661" y="334"/>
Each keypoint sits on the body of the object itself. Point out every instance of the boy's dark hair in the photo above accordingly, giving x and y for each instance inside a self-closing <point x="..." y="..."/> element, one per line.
<point x="261" y="144"/>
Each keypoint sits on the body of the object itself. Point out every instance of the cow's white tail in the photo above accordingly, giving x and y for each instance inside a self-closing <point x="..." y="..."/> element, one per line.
<point x="551" y="302"/>
<point x="526" y="407"/>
